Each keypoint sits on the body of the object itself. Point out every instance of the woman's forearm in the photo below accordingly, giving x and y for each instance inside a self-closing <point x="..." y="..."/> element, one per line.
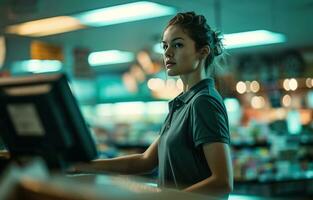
<point x="129" y="164"/>
<point x="212" y="186"/>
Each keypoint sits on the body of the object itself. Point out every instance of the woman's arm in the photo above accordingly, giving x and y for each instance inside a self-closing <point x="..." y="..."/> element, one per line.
<point x="220" y="183"/>
<point x="129" y="164"/>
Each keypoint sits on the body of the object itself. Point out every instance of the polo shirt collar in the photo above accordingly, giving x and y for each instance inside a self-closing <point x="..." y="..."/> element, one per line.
<point x="185" y="97"/>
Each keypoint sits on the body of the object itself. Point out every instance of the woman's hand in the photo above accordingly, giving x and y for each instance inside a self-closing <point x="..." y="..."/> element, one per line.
<point x="78" y="168"/>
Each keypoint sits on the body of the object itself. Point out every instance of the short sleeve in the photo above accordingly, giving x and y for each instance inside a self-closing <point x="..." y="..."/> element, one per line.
<point x="209" y="121"/>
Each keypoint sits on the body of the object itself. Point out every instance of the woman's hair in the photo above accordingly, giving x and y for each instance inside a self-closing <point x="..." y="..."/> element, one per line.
<point x="201" y="33"/>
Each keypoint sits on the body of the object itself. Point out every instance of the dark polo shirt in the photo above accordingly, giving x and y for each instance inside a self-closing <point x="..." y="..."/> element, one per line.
<point x="195" y="117"/>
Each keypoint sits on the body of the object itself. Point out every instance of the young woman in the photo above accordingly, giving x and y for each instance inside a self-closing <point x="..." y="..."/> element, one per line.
<point x="192" y="151"/>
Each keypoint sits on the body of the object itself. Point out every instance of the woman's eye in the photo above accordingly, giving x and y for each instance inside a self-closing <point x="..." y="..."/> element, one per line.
<point x="178" y="45"/>
<point x="164" y="47"/>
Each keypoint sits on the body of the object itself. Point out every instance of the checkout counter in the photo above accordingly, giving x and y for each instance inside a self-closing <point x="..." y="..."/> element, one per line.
<point x="35" y="182"/>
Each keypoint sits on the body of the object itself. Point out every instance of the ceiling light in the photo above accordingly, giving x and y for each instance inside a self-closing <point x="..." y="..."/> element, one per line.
<point x="36" y="66"/>
<point x="124" y="13"/>
<point x="110" y="57"/>
<point x="252" y="38"/>
<point x="44" y="27"/>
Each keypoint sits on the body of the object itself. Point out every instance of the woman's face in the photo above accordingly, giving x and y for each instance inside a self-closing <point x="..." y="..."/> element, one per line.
<point x="180" y="55"/>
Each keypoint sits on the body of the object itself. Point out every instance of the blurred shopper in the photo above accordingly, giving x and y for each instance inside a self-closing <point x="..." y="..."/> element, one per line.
<point x="192" y="152"/>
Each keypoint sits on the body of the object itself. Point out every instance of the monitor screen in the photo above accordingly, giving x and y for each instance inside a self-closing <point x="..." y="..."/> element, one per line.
<point x="39" y="116"/>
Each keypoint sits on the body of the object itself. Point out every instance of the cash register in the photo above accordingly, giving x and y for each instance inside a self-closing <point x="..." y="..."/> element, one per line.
<point x="39" y="117"/>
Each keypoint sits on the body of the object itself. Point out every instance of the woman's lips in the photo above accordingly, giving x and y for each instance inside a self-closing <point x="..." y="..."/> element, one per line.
<point x="169" y="65"/>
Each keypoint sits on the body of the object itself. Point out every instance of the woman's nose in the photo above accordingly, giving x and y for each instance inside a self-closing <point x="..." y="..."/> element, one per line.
<point x="168" y="52"/>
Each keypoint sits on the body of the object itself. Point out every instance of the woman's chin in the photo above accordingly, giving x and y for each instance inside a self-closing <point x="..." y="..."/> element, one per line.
<point x="171" y="73"/>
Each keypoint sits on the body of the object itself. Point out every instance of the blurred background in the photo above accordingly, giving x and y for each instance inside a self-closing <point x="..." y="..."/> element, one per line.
<point x="111" y="51"/>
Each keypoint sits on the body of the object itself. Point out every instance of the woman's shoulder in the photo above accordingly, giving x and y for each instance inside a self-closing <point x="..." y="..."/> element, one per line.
<point x="205" y="102"/>
<point x="207" y="96"/>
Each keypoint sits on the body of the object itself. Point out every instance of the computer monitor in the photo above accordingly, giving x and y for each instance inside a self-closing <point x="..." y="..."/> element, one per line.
<point x="39" y="116"/>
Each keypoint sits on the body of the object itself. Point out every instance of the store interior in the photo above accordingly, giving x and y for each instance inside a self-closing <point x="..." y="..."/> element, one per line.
<point x="267" y="85"/>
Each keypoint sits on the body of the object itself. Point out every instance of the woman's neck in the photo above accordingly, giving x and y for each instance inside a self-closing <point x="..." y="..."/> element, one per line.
<point x="192" y="79"/>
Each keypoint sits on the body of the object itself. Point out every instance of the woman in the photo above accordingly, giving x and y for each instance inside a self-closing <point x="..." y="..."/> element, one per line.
<point x="192" y="150"/>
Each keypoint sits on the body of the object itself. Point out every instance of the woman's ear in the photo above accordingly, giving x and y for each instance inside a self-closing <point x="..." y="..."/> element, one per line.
<point x="205" y="51"/>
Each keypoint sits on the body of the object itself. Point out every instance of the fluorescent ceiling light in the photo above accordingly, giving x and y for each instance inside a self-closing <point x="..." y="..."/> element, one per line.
<point x="110" y="57"/>
<point x="124" y="13"/>
<point x="36" y="66"/>
<point x="252" y="38"/>
<point x="99" y="17"/>
<point x="44" y="27"/>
